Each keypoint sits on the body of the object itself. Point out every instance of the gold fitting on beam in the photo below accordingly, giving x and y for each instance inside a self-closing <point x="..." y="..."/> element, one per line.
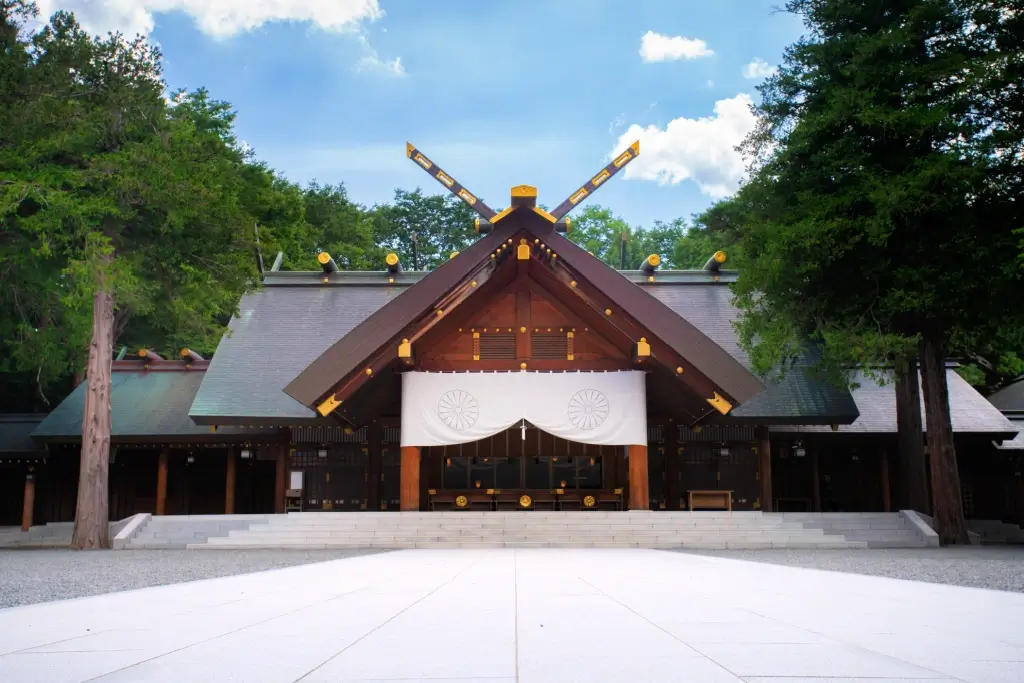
<point x="572" y="283"/>
<point x="498" y="217"/>
<point x="440" y="312"/>
<point x="643" y="348"/>
<point x="454" y="254"/>
<point x="409" y="148"/>
<point x="522" y="330"/>
<point x="323" y="258"/>
<point x="523" y="252"/>
<point x="391" y="259"/>
<point x="654" y="260"/>
<point x="720" y="404"/>
<point x="328" y="406"/>
<point x="524" y="191"/>
<point x="405" y="349"/>
<point x="719" y="256"/>
<point x="522" y="366"/>
<point x="522" y="240"/>
<point x="473" y="283"/>
<point x="679" y="370"/>
<point x="607" y="311"/>
<point x="369" y="371"/>
<point x="544" y="214"/>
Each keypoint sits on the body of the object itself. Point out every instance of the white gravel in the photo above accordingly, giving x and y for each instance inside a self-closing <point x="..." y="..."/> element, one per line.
<point x="31" y="576"/>
<point x="994" y="567"/>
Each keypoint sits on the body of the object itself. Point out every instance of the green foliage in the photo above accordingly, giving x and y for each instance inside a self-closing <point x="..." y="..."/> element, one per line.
<point x="443" y="224"/>
<point x="871" y="216"/>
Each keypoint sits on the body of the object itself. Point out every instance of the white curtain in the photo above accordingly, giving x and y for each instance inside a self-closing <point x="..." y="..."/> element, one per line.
<point x="446" y="408"/>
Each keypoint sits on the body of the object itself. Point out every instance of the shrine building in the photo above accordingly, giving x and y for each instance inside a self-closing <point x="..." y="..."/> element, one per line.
<point x="522" y="374"/>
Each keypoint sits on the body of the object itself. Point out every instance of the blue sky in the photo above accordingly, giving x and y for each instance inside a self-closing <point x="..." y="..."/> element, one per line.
<point x="497" y="93"/>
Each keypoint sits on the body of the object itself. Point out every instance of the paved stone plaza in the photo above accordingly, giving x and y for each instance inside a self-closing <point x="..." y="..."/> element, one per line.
<point x="523" y="615"/>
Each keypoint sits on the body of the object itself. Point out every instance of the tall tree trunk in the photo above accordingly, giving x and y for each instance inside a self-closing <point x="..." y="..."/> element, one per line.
<point x="913" y="472"/>
<point x="92" y="525"/>
<point x="946" y="501"/>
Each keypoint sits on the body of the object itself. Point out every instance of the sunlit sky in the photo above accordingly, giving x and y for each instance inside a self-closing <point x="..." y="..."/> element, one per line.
<point x="497" y="93"/>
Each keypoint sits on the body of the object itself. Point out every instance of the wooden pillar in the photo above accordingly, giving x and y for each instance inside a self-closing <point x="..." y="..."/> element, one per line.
<point x="816" y="482"/>
<point x="886" y="496"/>
<point x="639" y="493"/>
<point x="161" y="482"/>
<point x="29" y="503"/>
<point x="279" y="478"/>
<point x="409" y="498"/>
<point x="229" y="481"/>
<point x="764" y="457"/>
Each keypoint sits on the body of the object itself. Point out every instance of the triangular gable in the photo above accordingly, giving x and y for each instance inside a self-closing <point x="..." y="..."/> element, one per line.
<point x="723" y="381"/>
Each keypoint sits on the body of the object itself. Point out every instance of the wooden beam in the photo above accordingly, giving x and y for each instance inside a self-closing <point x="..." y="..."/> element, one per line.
<point x="279" y="478"/>
<point x="229" y="481"/>
<point x="29" y="503"/>
<point x="388" y="354"/>
<point x="523" y="337"/>
<point x="374" y="463"/>
<point x="409" y="478"/>
<point x="678" y="366"/>
<point x="639" y="484"/>
<point x="764" y="457"/>
<point x="161" y="482"/>
<point x="886" y="494"/>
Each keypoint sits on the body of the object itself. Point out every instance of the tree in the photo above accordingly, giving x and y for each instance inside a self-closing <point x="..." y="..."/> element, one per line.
<point x="875" y="228"/>
<point x="443" y="224"/>
<point x="114" y="210"/>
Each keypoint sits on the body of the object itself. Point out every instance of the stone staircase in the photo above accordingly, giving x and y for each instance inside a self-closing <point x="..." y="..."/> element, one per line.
<point x="183" y="531"/>
<point x="471" y="529"/>
<point x="877" y="529"/>
<point x="994" y="531"/>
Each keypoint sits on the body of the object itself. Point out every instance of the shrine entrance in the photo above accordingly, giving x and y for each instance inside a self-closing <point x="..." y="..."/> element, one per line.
<point x="524" y="468"/>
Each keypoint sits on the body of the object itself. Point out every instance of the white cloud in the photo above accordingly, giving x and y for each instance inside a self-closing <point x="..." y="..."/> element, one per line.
<point x="372" y="62"/>
<point x="217" y="18"/>
<point x="618" y="122"/>
<point x="759" y="69"/>
<point x="655" y="47"/>
<point x="702" y="150"/>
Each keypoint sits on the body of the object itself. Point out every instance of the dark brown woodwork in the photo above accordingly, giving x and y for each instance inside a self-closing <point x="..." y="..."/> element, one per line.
<point x="673" y="497"/>
<point x="639" y="486"/>
<point x="523" y="325"/>
<point x="410" y="478"/>
<point x="886" y="494"/>
<point x="946" y="501"/>
<point x="815" y="480"/>
<point x="280" y="474"/>
<point x="764" y="458"/>
<point x="374" y="465"/>
<point x="92" y="523"/>
<point x="29" y="502"/>
<point x="161" y="482"/>
<point x="913" y="480"/>
<point x="229" y="481"/>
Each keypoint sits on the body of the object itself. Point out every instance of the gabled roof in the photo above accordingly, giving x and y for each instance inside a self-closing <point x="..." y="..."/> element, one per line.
<point x="970" y="412"/>
<point x="144" y="404"/>
<point x="295" y="317"/>
<point x="354" y="350"/>
<point x="1010" y="398"/>
<point x="15" y="431"/>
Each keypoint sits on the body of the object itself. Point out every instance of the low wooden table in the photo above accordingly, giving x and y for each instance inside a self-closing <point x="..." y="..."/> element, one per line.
<point x="710" y="500"/>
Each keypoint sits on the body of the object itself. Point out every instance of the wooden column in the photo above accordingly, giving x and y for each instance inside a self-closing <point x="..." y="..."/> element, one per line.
<point x="161" y="482"/>
<point x="279" y="478"/>
<point x="639" y="494"/>
<point x="409" y="478"/>
<point x="764" y="457"/>
<point x="229" y="481"/>
<point x="886" y="496"/>
<point x="29" y="503"/>
<point x="816" y="482"/>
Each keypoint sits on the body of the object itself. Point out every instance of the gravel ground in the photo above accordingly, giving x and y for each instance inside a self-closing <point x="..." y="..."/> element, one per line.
<point x="31" y="576"/>
<point x="995" y="567"/>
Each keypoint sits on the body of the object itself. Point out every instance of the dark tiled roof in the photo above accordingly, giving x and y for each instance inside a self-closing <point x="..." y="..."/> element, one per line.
<point x="15" y="431"/>
<point x="277" y="333"/>
<point x="797" y="396"/>
<point x="970" y="412"/>
<point x="1010" y="397"/>
<point x="143" y="404"/>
